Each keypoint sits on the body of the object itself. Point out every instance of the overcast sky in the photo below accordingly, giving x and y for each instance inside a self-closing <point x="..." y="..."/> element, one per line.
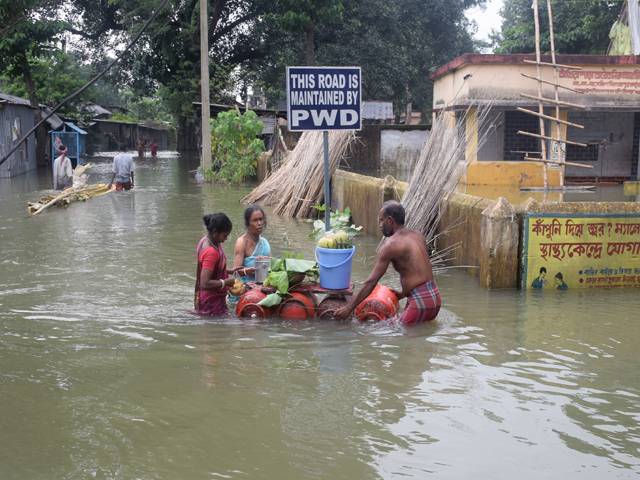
<point x="487" y="18"/>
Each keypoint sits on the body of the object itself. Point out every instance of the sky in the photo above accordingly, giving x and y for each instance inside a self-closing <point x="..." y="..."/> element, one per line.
<point x="487" y="18"/>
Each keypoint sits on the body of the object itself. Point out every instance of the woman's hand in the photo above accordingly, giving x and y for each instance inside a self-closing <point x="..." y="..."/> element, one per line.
<point x="228" y="282"/>
<point x="249" y="272"/>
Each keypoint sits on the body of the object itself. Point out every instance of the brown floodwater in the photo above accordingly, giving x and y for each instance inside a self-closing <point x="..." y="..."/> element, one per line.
<point x="105" y="374"/>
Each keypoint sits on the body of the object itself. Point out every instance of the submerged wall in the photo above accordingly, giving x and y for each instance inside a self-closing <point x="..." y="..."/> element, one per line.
<point x="364" y="195"/>
<point x="485" y="235"/>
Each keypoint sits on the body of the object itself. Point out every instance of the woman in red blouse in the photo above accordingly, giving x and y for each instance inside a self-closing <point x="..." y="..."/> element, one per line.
<point x="212" y="280"/>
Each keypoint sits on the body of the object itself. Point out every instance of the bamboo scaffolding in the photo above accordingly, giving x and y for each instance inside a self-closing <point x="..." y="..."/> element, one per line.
<point x="574" y="164"/>
<point x="556" y="65"/>
<point x="551" y="100"/>
<point x="550" y="83"/>
<point x="549" y="117"/>
<point x="553" y="139"/>
<point x="556" y="79"/>
<point x="543" y="146"/>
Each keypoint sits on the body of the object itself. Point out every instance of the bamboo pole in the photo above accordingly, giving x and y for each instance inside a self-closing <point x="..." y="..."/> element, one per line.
<point x="556" y="79"/>
<point x="556" y="65"/>
<point x="550" y="83"/>
<point x="551" y="100"/>
<point x="575" y="164"/>
<point x="549" y="117"/>
<point x="553" y="139"/>
<point x="543" y="145"/>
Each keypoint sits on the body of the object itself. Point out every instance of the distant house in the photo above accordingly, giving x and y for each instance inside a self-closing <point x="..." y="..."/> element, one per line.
<point x="17" y="117"/>
<point x="107" y="135"/>
<point x="96" y="111"/>
<point x="376" y="111"/>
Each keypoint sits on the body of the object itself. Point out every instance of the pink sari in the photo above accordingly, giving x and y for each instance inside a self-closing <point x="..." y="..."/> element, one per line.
<point x="211" y="302"/>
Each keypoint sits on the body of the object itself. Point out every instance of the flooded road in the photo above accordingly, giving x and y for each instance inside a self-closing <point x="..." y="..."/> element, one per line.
<point x="104" y="373"/>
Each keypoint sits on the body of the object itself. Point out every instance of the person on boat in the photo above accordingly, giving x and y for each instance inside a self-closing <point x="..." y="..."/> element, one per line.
<point x="407" y="251"/>
<point x="212" y="280"/>
<point x="251" y="244"/>
<point x="123" y="168"/>
<point x="62" y="170"/>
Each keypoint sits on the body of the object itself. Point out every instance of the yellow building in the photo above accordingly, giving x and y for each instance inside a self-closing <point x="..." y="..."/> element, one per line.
<point x="608" y="87"/>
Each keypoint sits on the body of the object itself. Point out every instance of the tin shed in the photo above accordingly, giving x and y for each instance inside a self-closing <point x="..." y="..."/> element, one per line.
<point x="16" y="118"/>
<point x="72" y="137"/>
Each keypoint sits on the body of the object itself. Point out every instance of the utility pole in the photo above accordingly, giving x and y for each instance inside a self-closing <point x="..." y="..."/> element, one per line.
<point x="205" y="156"/>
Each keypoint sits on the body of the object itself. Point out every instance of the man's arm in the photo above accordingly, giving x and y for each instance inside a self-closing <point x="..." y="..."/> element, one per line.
<point x="379" y="269"/>
<point x="131" y="178"/>
<point x="111" y="182"/>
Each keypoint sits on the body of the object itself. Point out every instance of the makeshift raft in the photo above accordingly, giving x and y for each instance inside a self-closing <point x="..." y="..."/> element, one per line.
<point x="67" y="196"/>
<point x="301" y="303"/>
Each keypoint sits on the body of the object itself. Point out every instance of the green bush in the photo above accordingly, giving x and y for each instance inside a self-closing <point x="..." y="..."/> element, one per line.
<point x="234" y="146"/>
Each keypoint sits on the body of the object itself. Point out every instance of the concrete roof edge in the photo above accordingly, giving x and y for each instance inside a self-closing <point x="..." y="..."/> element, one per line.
<point x="517" y="58"/>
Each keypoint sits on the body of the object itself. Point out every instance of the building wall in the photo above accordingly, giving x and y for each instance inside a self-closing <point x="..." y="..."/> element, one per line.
<point x="610" y="135"/>
<point x="635" y="155"/>
<point x="107" y="136"/>
<point x="493" y="131"/>
<point x="400" y="149"/>
<point x="24" y="159"/>
<point x="602" y="86"/>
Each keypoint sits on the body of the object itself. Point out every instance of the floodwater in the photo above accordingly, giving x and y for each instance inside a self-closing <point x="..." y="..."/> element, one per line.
<point x="105" y="374"/>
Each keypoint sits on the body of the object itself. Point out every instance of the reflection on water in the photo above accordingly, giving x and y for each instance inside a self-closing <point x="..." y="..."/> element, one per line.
<point x="105" y="374"/>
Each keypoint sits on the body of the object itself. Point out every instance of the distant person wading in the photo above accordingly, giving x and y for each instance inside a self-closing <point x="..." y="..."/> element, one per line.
<point x="123" y="169"/>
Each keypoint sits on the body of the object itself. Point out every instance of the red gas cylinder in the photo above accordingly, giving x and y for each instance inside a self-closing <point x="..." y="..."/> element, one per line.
<point x="381" y="304"/>
<point x="248" y="304"/>
<point x="298" y="306"/>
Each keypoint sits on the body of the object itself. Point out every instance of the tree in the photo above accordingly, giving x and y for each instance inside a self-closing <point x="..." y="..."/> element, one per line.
<point x="397" y="44"/>
<point x="580" y="26"/>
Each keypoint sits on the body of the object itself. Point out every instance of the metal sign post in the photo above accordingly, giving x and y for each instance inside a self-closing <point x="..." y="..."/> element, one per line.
<point x="327" y="183"/>
<point x="324" y="98"/>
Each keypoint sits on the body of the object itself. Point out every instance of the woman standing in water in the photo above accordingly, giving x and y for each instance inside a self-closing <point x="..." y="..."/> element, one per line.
<point x="212" y="279"/>
<point x="251" y="244"/>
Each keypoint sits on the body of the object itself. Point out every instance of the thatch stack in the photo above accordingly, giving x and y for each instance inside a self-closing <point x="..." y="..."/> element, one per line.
<point x="438" y="170"/>
<point x="297" y="185"/>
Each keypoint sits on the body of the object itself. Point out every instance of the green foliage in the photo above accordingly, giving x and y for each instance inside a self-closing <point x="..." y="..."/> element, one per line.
<point x="234" y="146"/>
<point x="283" y="271"/>
<point x="340" y="221"/>
<point x="580" y="26"/>
<point x="397" y="43"/>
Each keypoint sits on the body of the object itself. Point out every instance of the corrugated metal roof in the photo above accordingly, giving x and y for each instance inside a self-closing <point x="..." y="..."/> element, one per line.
<point x="12" y="99"/>
<point x="268" y="124"/>
<point x="75" y="128"/>
<point x="376" y="110"/>
<point x="96" y="109"/>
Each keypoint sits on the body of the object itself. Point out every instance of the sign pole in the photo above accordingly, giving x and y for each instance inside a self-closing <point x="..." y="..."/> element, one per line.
<point x="327" y="184"/>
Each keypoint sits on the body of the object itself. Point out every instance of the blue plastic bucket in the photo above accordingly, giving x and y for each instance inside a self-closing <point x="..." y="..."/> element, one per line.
<point x="335" y="267"/>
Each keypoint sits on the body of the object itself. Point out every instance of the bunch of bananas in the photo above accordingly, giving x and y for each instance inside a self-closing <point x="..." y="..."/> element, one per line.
<point x="237" y="288"/>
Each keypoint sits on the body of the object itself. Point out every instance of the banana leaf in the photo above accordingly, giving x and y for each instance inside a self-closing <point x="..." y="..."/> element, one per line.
<point x="279" y="280"/>
<point x="299" y="266"/>
<point x="271" y="300"/>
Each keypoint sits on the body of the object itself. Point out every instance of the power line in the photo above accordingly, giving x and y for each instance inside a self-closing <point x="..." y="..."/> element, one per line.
<point x="87" y="85"/>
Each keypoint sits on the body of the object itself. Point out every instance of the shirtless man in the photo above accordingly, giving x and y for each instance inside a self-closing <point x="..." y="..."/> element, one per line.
<point x="407" y="251"/>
